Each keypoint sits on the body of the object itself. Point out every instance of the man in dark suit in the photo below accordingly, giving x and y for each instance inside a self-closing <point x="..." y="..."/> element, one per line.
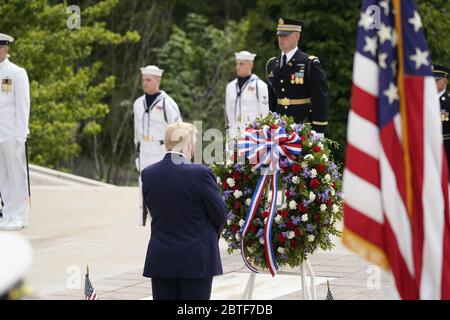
<point x="188" y="214"/>
<point x="441" y="74"/>
<point x="297" y="83"/>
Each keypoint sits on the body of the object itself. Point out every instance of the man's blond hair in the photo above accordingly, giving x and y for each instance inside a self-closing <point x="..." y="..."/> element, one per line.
<point x="179" y="136"/>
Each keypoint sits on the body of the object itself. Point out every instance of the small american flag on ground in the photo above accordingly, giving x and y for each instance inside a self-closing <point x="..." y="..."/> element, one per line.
<point x="89" y="290"/>
<point x="329" y="294"/>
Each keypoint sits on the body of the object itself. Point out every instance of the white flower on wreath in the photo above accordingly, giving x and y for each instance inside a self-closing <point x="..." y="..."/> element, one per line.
<point x="219" y="181"/>
<point x="229" y="222"/>
<point x="312" y="196"/>
<point x="332" y="192"/>
<point x="335" y="208"/>
<point x="303" y="165"/>
<point x="261" y="240"/>
<point x="241" y="223"/>
<point x="313" y="173"/>
<point x="292" y="205"/>
<point x="248" y="201"/>
<point x="237" y="236"/>
<point x="237" y="194"/>
<point x="320" y="145"/>
<point x="324" y="158"/>
<point x="295" y="180"/>
<point x="283" y="206"/>
<point x="323" y="207"/>
<point x="231" y="182"/>
<point x="280" y="250"/>
<point x="305" y="217"/>
<point x="291" y="235"/>
<point x="313" y="132"/>
<point x="278" y="218"/>
<point x="311" y="238"/>
<point x="308" y="157"/>
<point x="250" y="250"/>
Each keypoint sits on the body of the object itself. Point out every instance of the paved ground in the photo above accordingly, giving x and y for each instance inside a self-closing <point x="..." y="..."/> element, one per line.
<point x="72" y="226"/>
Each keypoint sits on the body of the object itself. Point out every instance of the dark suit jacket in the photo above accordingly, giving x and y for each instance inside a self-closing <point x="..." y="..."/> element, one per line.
<point x="188" y="214"/>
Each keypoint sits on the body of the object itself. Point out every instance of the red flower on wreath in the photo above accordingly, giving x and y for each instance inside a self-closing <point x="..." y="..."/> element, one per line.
<point x="237" y="205"/>
<point x="293" y="243"/>
<point x="234" y="228"/>
<point x="330" y="202"/>
<point x="284" y="213"/>
<point x="296" y="168"/>
<point x="290" y="225"/>
<point x="317" y="149"/>
<point x="281" y="238"/>
<point x="320" y="168"/>
<point x="314" y="183"/>
<point x="298" y="231"/>
<point x="302" y="208"/>
<point x="316" y="218"/>
<point x="236" y="176"/>
<point x="265" y="214"/>
<point x="252" y="228"/>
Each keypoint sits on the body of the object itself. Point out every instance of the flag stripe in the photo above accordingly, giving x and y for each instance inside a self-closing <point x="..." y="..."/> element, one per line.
<point x="363" y="165"/>
<point x="367" y="199"/>
<point x="363" y="134"/>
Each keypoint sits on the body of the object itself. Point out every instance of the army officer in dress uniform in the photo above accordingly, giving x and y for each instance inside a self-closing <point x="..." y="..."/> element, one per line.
<point x="441" y="74"/>
<point x="153" y="112"/>
<point x="14" y="116"/>
<point x="297" y="82"/>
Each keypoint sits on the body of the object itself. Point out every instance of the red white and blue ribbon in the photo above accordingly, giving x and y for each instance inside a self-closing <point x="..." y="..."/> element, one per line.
<point x="263" y="148"/>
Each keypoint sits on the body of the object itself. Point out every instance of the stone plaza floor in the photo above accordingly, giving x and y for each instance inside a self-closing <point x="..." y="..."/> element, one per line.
<point x="75" y="224"/>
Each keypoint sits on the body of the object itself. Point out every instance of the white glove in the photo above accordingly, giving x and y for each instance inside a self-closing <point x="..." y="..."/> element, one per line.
<point x="137" y="164"/>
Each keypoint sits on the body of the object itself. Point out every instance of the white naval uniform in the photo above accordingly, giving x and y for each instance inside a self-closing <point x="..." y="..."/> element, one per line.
<point x="14" y="116"/>
<point x="244" y="104"/>
<point x="149" y="128"/>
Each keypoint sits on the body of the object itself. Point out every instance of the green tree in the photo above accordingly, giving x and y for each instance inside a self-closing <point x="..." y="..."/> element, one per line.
<point x="198" y="64"/>
<point x="67" y="96"/>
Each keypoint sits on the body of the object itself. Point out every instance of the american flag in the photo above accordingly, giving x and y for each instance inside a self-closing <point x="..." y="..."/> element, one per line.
<point x="395" y="179"/>
<point x="89" y="290"/>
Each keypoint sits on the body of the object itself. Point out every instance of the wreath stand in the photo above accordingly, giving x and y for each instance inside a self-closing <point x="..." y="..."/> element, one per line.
<point x="309" y="292"/>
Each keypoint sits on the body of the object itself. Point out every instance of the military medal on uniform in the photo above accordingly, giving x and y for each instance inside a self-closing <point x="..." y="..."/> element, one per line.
<point x="7" y="85"/>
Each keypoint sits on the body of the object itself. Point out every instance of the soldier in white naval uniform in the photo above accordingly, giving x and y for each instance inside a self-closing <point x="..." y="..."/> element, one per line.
<point x="153" y="112"/>
<point x="14" y="116"/>
<point x="246" y="96"/>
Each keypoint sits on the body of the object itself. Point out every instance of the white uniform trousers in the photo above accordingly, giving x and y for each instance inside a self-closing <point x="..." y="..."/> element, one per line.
<point x="150" y="153"/>
<point x="14" y="181"/>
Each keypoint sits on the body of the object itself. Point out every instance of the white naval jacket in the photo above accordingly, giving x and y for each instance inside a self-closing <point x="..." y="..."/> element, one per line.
<point x="14" y="102"/>
<point x="149" y="127"/>
<point x="252" y="102"/>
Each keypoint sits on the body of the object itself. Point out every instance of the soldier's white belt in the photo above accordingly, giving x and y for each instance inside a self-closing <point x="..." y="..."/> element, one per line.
<point x="290" y="102"/>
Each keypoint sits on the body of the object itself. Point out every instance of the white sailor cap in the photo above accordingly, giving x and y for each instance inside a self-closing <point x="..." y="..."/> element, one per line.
<point x="5" y="39"/>
<point x="245" y="55"/>
<point x="152" y="70"/>
<point x="15" y="257"/>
